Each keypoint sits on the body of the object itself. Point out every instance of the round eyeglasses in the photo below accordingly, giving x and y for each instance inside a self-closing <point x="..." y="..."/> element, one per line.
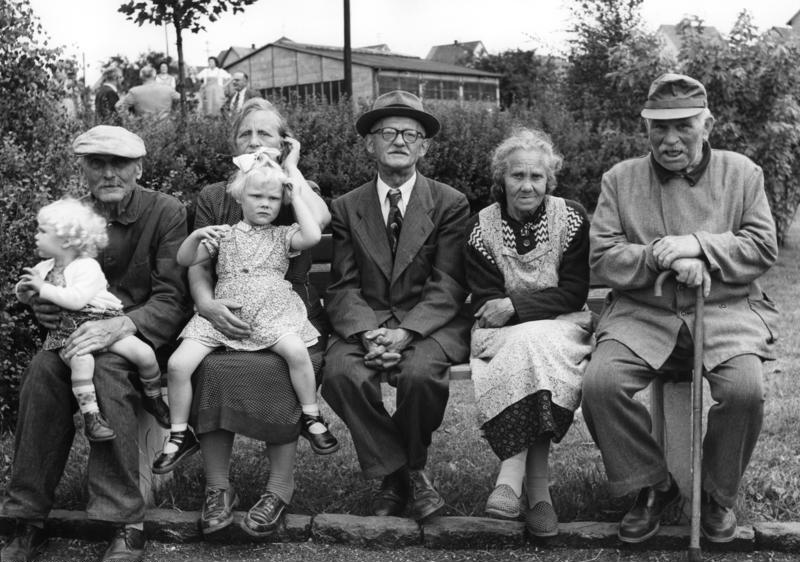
<point x="388" y="134"/>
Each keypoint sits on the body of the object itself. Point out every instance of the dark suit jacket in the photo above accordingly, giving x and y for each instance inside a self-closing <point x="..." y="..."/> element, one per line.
<point x="424" y="289"/>
<point x="248" y="93"/>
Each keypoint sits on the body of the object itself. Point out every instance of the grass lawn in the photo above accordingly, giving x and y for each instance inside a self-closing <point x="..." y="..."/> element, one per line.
<point x="464" y="466"/>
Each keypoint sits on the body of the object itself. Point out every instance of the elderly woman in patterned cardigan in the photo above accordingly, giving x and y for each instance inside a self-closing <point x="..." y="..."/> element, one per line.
<point x="527" y="269"/>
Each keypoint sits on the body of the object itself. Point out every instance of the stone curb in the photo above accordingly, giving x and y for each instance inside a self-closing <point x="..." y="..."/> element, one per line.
<point x="164" y="525"/>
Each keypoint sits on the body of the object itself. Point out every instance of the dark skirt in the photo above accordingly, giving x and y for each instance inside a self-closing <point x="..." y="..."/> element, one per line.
<point x="249" y="393"/>
<point x="519" y="426"/>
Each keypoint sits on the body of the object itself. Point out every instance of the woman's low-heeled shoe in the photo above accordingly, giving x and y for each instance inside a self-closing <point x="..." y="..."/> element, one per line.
<point x="541" y="520"/>
<point x="503" y="503"/>
<point x="187" y="446"/>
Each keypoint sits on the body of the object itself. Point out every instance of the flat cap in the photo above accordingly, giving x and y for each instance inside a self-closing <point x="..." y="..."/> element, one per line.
<point x="674" y="96"/>
<point x="105" y="139"/>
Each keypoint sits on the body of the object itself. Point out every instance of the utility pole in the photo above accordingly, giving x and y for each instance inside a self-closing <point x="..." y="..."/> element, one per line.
<point x="348" y="62"/>
<point x="166" y="41"/>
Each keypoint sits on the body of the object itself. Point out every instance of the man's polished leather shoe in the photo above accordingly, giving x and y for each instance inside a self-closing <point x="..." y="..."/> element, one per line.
<point x="26" y="543"/>
<point x="717" y="522"/>
<point x="126" y="546"/>
<point x="187" y="445"/>
<point x="392" y="496"/>
<point x="425" y="500"/>
<point x="644" y="519"/>
<point x="156" y="407"/>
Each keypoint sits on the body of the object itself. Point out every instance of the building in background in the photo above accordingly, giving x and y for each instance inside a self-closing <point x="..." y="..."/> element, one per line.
<point x="462" y="54"/>
<point x="285" y="69"/>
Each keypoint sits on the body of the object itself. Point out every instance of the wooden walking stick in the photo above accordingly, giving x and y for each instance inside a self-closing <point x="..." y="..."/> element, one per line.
<point x="694" y="553"/>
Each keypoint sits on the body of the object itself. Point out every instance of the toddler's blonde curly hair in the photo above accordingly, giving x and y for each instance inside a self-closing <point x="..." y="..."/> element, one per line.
<point x="77" y="223"/>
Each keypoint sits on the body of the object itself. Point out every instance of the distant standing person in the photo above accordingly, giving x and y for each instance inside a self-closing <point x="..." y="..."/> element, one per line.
<point x="150" y="99"/>
<point x="164" y="77"/>
<point x="107" y="96"/>
<point x="213" y="91"/>
<point x="240" y="94"/>
<point x="702" y="214"/>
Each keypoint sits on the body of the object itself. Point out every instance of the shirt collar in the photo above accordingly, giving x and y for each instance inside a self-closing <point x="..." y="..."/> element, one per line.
<point x="405" y="189"/>
<point x="692" y="177"/>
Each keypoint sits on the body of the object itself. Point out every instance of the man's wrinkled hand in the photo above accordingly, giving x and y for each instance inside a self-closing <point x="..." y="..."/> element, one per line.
<point x="219" y="313"/>
<point x="47" y="314"/>
<point x="97" y="336"/>
<point x="671" y="248"/>
<point x="692" y="272"/>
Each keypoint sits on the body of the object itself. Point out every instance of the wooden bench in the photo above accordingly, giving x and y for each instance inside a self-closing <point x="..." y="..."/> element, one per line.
<point x="670" y="401"/>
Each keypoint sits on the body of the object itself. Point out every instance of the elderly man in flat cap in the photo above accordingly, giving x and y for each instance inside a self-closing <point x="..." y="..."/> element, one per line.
<point x="395" y="300"/>
<point x="145" y="229"/>
<point x="702" y="214"/>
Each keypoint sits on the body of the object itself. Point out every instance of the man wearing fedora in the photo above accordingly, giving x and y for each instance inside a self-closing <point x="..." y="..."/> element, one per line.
<point x="395" y="303"/>
<point x="145" y="230"/>
<point x="703" y="214"/>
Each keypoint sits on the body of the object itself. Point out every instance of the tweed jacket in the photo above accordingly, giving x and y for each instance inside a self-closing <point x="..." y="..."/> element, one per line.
<point x="423" y="290"/>
<point x="728" y="212"/>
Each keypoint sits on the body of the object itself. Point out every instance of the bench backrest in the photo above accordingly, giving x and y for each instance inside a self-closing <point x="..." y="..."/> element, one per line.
<point x="320" y="274"/>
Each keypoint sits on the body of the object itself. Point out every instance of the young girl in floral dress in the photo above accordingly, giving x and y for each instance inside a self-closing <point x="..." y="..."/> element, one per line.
<point x="252" y="259"/>
<point x="69" y="236"/>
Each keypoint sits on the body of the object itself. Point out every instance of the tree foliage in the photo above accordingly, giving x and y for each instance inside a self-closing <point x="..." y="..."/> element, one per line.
<point x="526" y="77"/>
<point x="753" y="84"/>
<point x="600" y="25"/>
<point x="181" y="14"/>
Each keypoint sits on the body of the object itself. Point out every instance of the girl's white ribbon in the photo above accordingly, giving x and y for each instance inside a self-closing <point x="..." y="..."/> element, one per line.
<point x="262" y="156"/>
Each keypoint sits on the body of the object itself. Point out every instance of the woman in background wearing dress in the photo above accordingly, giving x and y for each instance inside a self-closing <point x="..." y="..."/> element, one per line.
<point x="214" y="80"/>
<point x="527" y="269"/>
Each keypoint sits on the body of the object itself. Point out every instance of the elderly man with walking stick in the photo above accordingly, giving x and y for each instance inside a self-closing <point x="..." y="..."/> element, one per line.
<point x="703" y="214"/>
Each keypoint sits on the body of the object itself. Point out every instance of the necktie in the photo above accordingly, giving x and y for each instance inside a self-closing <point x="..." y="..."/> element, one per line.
<point x="394" y="222"/>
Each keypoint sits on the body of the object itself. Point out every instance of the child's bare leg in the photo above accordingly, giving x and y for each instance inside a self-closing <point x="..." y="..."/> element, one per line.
<point x="182" y="442"/>
<point x="301" y="372"/>
<point x="142" y="355"/>
<point x="82" y="376"/>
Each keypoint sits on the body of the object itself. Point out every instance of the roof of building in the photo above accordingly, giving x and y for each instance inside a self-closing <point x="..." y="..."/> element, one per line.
<point x="793" y="18"/>
<point x="670" y="32"/>
<point x="378" y="57"/>
<point x="455" y="52"/>
<point x="238" y="52"/>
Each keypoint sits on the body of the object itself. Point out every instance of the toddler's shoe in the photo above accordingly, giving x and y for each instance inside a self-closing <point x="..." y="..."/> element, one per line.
<point x="321" y="443"/>
<point x="218" y="509"/>
<point x="187" y="445"/>
<point x="96" y="427"/>
<point x="156" y="407"/>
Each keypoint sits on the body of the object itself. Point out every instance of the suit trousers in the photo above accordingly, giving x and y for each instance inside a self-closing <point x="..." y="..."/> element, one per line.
<point x="386" y="443"/>
<point x="44" y="434"/>
<point x="621" y="425"/>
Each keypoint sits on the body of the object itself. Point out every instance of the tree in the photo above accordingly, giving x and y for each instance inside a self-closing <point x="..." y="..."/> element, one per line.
<point x="753" y="84"/>
<point x="182" y="14"/>
<point x="527" y="78"/>
<point x="600" y="26"/>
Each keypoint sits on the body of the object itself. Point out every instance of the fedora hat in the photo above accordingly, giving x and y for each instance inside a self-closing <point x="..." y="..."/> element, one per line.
<point x="398" y="103"/>
<point x="674" y="96"/>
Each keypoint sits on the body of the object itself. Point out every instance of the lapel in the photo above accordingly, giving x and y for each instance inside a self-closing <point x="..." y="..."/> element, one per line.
<point x="417" y="225"/>
<point x="371" y="229"/>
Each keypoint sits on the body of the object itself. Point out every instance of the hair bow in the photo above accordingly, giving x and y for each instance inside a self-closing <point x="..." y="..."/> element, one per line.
<point x="263" y="156"/>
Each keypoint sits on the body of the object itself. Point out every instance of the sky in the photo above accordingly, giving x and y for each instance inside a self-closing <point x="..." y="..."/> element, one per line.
<point x="93" y="30"/>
